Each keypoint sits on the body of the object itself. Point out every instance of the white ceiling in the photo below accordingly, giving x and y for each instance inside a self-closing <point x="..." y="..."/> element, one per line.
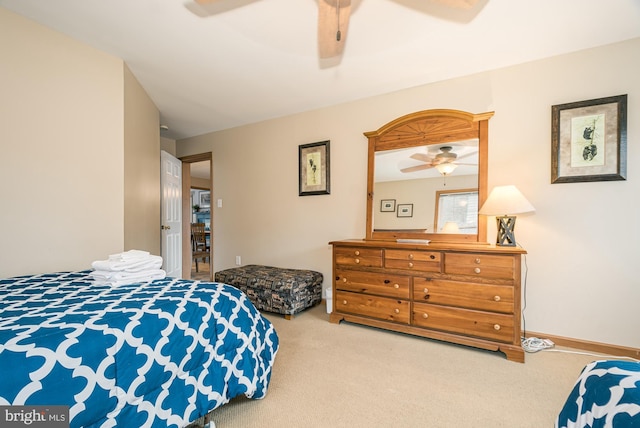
<point x="243" y="61"/>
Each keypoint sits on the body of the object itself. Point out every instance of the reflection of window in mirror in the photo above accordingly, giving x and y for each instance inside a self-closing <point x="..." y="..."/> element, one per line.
<point x="457" y="211"/>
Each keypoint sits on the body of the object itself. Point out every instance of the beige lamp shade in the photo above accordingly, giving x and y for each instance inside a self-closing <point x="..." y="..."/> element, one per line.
<point x="506" y="200"/>
<point x="450" y="227"/>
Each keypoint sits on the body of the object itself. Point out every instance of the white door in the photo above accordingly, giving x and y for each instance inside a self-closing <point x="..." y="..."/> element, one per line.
<point x="171" y="224"/>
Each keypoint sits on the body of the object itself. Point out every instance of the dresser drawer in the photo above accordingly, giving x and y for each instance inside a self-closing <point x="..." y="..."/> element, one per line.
<point x="373" y="306"/>
<point x="373" y="283"/>
<point x="486" y="297"/>
<point x="485" y="325"/>
<point x="480" y="265"/>
<point x="426" y="261"/>
<point x="355" y="256"/>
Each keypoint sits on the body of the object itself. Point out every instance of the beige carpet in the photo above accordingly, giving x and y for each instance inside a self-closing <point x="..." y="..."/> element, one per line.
<point x="345" y="375"/>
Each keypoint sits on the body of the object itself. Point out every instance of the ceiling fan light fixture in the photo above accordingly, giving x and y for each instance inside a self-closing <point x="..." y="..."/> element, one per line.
<point x="446" y="168"/>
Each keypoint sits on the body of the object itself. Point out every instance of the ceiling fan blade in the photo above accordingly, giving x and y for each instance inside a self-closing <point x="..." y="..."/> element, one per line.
<point x="417" y="168"/>
<point x="422" y="157"/>
<point x="467" y="155"/>
<point x="459" y="4"/>
<point x="333" y="23"/>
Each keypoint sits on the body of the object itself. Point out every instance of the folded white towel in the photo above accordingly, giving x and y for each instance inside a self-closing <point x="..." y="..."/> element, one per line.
<point x="119" y="278"/>
<point x="129" y="255"/>
<point x="132" y="265"/>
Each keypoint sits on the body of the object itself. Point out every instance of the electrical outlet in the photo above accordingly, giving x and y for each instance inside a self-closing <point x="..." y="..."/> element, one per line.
<point x="238" y="261"/>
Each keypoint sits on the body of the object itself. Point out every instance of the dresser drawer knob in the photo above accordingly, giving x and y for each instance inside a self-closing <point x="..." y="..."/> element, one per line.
<point x="344" y="302"/>
<point x="396" y="286"/>
<point x="357" y="253"/>
<point x="425" y="316"/>
<point x="432" y="257"/>
<point x="357" y="261"/>
<point x="344" y="279"/>
<point x="397" y="311"/>
<point x="496" y="298"/>
<point x="410" y="256"/>
<point x="386" y="281"/>
<point x="477" y="270"/>
<point x="477" y="261"/>
<point x="410" y="264"/>
<point x="496" y="327"/>
<point x="425" y="290"/>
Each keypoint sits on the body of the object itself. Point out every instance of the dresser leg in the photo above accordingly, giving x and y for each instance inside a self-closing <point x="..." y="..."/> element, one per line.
<point x="513" y="353"/>
<point x="335" y="318"/>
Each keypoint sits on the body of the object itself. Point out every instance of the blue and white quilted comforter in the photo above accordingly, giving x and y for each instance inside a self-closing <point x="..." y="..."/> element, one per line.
<point x="606" y="395"/>
<point x="154" y="354"/>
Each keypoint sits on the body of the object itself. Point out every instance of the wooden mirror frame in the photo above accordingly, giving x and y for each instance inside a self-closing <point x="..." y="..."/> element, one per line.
<point x="424" y="128"/>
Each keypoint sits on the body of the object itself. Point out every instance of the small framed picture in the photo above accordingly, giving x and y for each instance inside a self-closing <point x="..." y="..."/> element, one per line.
<point x="405" y="210"/>
<point x="589" y="140"/>
<point x="388" y="205"/>
<point x="205" y="199"/>
<point x="313" y="169"/>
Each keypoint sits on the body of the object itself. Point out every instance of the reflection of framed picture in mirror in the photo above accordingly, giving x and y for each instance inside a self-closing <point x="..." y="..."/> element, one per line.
<point x="405" y="210"/>
<point x="388" y="205"/>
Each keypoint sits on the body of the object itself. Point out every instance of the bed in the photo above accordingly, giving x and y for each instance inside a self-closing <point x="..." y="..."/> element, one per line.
<point x="152" y="354"/>
<point x="606" y="394"/>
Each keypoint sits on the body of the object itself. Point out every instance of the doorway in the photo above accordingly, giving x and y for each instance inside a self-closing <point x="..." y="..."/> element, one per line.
<point x="197" y="173"/>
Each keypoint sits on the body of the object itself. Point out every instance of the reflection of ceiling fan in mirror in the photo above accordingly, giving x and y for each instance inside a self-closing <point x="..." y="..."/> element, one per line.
<point x="333" y="21"/>
<point x="443" y="161"/>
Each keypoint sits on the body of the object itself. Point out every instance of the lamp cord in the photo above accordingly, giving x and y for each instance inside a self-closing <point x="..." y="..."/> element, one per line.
<point x="338" y="34"/>
<point x="531" y="344"/>
<point x="534" y="344"/>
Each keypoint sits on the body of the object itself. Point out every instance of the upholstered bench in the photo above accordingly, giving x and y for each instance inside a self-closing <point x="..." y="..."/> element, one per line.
<point x="273" y="289"/>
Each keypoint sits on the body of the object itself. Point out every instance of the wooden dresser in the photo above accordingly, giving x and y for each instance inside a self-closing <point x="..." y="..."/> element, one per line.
<point x="461" y="293"/>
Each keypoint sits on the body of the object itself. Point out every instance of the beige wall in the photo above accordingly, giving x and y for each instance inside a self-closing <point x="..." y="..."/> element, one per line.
<point x="200" y="183"/>
<point x="62" y="169"/>
<point x="581" y="281"/>
<point x="168" y="145"/>
<point x="141" y="168"/>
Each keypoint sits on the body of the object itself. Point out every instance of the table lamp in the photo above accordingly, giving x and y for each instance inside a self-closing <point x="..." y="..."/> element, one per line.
<point x="450" y="227"/>
<point x="503" y="202"/>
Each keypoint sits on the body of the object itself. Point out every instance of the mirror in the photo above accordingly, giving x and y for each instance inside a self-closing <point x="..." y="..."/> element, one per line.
<point x="428" y="170"/>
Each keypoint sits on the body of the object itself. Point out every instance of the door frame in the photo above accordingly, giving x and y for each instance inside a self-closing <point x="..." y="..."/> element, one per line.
<point x="186" y="211"/>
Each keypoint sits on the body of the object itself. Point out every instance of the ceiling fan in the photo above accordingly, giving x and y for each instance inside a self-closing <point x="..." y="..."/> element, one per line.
<point x="333" y="22"/>
<point x="442" y="161"/>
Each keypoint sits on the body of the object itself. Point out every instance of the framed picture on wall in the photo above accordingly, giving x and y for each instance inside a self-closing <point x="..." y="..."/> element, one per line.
<point x="313" y="169"/>
<point x="405" y="210"/>
<point x="589" y="140"/>
<point x="205" y="199"/>
<point x="388" y="205"/>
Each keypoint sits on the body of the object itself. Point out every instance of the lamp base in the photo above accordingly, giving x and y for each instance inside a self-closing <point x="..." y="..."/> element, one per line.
<point x="506" y="225"/>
